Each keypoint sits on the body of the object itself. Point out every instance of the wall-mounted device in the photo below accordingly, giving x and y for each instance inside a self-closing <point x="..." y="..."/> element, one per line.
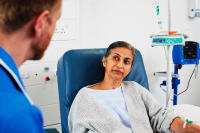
<point x="193" y="8"/>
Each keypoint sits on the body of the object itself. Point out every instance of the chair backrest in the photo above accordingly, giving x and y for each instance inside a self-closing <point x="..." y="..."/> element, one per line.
<point x="81" y="67"/>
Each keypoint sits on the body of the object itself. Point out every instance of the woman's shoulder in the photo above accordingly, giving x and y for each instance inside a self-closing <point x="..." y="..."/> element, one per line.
<point x="134" y="86"/>
<point x="131" y="84"/>
<point x="83" y="92"/>
<point x="80" y="100"/>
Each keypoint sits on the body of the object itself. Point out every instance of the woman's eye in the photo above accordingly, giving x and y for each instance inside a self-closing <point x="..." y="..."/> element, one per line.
<point x="126" y="62"/>
<point x="116" y="58"/>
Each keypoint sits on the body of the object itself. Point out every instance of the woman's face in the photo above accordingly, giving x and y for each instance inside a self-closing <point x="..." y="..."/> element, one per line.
<point x="118" y="64"/>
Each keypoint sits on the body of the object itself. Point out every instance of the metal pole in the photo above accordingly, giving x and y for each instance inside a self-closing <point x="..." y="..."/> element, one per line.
<point x="168" y="75"/>
<point x="168" y="59"/>
<point x="169" y="16"/>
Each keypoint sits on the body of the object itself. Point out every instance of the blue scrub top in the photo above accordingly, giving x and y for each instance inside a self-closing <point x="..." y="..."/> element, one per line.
<point x="17" y="114"/>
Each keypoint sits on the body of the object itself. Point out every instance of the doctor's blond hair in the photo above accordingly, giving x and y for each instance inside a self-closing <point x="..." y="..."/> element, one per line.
<point x="14" y="14"/>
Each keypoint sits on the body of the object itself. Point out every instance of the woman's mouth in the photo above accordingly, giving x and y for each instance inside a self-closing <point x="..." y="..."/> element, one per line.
<point x="118" y="72"/>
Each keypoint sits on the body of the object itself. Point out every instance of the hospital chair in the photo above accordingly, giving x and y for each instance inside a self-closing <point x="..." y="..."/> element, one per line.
<point x="78" y="68"/>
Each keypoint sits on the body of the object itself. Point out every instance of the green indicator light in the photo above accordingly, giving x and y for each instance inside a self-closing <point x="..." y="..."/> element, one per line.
<point x="159" y="22"/>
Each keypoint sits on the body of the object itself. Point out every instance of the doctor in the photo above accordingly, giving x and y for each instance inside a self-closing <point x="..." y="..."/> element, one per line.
<point x="26" y="27"/>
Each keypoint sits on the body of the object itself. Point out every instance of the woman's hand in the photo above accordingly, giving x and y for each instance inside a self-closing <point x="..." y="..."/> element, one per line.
<point x="192" y="128"/>
<point x="177" y="125"/>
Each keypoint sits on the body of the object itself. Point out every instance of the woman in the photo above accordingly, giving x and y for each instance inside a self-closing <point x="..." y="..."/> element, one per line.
<point x="117" y="106"/>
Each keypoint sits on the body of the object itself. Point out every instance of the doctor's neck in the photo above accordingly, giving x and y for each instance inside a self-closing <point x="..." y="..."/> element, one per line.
<point x="16" y="44"/>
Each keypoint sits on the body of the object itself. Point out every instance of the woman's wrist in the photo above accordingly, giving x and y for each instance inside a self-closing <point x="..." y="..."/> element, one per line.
<point x="188" y="127"/>
<point x="192" y="128"/>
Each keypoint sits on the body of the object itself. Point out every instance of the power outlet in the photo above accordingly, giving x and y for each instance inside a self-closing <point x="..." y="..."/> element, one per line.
<point x="65" y="30"/>
<point x="40" y="74"/>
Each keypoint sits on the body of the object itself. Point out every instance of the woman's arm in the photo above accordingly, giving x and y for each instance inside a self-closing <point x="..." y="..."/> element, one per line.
<point x="163" y="115"/>
<point x="177" y="125"/>
<point x="160" y="117"/>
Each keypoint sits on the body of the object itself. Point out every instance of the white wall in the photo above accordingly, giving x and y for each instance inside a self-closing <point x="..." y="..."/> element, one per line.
<point x="101" y="22"/>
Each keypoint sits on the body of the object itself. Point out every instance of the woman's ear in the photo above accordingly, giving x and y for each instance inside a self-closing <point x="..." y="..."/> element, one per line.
<point x="104" y="61"/>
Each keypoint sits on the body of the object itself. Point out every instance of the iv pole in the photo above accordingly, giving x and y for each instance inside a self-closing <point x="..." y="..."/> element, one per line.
<point x="168" y="40"/>
<point x="168" y="59"/>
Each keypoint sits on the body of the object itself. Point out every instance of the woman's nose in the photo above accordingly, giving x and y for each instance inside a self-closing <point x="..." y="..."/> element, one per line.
<point x="120" y="64"/>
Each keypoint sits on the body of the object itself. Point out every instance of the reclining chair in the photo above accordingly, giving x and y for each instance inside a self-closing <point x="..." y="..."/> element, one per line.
<point x="78" y="68"/>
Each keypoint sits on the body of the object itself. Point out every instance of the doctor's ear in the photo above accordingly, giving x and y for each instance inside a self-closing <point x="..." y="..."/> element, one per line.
<point x="41" y="22"/>
<point x="104" y="61"/>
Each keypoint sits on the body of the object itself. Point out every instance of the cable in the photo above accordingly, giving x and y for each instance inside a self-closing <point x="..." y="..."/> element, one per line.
<point x="188" y="82"/>
<point x="52" y="124"/>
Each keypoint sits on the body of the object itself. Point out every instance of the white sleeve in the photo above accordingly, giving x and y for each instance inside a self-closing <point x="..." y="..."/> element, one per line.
<point x="160" y="116"/>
